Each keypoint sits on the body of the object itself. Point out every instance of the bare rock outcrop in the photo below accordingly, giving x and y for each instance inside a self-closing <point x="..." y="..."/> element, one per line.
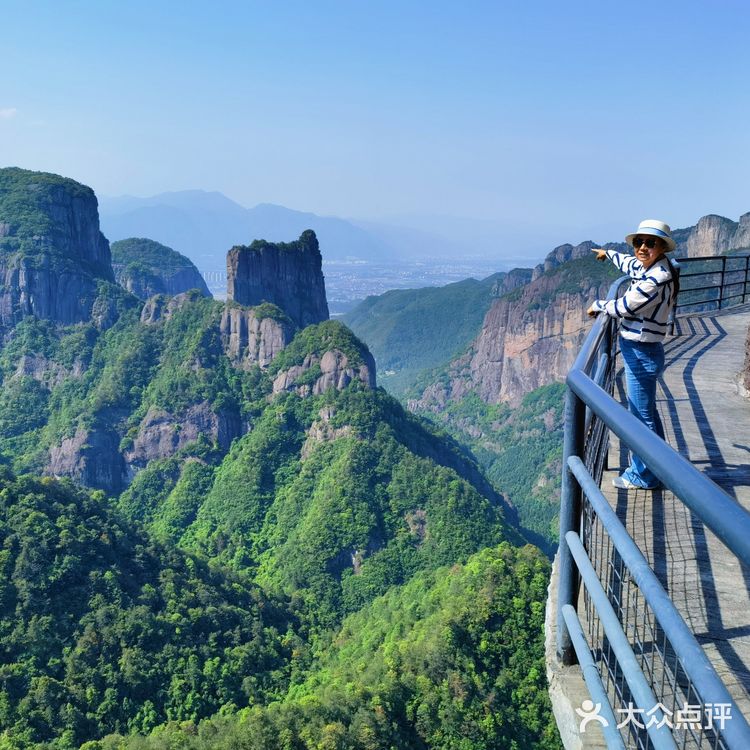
<point x="289" y="275"/>
<point x="252" y="340"/>
<point x="90" y="457"/>
<point x="510" y="281"/>
<point x="713" y="235"/>
<point x="317" y="374"/>
<point x="45" y="371"/>
<point x="741" y="239"/>
<point x="161" y="307"/>
<point x="322" y="431"/>
<point x="162" y="434"/>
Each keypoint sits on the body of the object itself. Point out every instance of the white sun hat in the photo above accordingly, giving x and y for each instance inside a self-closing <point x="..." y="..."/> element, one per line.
<point x="655" y="228"/>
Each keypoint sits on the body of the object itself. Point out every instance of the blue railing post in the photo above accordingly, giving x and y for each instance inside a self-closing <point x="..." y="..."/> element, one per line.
<point x="570" y="515"/>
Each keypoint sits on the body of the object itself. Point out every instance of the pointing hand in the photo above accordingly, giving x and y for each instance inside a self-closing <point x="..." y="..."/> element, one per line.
<point x="600" y="254"/>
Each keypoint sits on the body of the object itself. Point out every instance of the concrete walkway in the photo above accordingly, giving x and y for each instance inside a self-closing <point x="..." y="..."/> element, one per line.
<point x="706" y="419"/>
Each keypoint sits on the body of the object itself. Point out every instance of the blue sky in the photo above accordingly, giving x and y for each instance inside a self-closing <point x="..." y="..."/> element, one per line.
<point x="571" y="120"/>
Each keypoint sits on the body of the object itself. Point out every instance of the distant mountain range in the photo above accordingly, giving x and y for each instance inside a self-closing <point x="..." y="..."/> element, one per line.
<point x="204" y="225"/>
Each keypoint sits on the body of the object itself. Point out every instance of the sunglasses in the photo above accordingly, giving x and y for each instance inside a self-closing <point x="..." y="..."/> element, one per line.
<point x="649" y="242"/>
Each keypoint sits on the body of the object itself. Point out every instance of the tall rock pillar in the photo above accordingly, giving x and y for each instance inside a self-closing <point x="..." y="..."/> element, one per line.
<point x="288" y="274"/>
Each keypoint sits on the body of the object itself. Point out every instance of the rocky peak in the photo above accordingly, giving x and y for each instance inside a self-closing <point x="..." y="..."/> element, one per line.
<point x="563" y="254"/>
<point x="52" y="254"/>
<point x="161" y="307"/>
<point x="741" y="239"/>
<point x="288" y="275"/>
<point x="712" y="235"/>
<point x="510" y="281"/>
<point x="146" y="268"/>
<point x="529" y="336"/>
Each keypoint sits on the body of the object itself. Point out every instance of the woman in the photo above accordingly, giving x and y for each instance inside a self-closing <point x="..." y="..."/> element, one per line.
<point x="644" y="312"/>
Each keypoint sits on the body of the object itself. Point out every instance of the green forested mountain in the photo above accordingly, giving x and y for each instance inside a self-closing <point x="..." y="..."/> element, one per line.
<point x="519" y="449"/>
<point x="488" y="396"/>
<point x="145" y="267"/>
<point x="413" y="330"/>
<point x="453" y="659"/>
<point x="320" y="487"/>
<point x="221" y="490"/>
<point x="104" y="629"/>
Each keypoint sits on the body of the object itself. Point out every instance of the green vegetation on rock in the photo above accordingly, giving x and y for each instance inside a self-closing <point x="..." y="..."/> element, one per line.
<point x="410" y="331"/>
<point x="148" y="254"/>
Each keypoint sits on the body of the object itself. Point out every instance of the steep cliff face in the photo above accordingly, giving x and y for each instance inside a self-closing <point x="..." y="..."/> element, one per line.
<point x="90" y="457"/>
<point x="52" y="254"/>
<point x="162" y="434"/>
<point x="530" y="336"/>
<point x="250" y="338"/>
<point x="288" y="275"/>
<point x="327" y="355"/>
<point x="511" y="280"/>
<point x="713" y="235"/>
<point x="146" y="268"/>
<point x="317" y="374"/>
<point x="741" y="237"/>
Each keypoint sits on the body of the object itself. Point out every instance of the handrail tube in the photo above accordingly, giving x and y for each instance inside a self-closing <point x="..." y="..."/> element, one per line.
<point x="570" y="515"/>
<point x="728" y="520"/>
<point x="600" y="373"/>
<point x="601" y="369"/>
<point x="661" y="737"/>
<point x="692" y="657"/>
<point x="593" y="679"/>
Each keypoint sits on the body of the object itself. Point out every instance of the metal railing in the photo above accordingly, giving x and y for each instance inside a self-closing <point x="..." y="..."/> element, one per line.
<point x="717" y="282"/>
<point x="636" y="649"/>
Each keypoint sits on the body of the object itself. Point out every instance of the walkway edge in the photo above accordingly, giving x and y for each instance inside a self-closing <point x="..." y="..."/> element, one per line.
<point x="566" y="687"/>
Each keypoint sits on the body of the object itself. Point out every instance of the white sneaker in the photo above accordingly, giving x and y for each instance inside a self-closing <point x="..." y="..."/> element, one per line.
<point x="625" y="484"/>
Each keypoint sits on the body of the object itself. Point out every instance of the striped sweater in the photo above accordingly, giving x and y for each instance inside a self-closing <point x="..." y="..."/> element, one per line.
<point x="645" y="308"/>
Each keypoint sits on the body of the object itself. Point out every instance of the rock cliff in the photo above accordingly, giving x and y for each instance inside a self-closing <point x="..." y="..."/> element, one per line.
<point x="531" y="335"/>
<point x="250" y="338"/>
<point x="511" y="280"/>
<point x="146" y="268"/>
<point x="317" y="374"/>
<point x="288" y="275"/>
<point x="713" y="235"/>
<point x="90" y="457"/>
<point x="162" y="434"/>
<point x="52" y="254"/>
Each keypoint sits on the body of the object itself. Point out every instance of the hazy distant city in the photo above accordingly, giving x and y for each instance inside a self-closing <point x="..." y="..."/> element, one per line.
<point x="349" y="282"/>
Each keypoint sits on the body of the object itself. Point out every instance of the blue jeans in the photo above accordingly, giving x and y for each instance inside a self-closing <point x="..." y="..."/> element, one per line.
<point x="644" y="363"/>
